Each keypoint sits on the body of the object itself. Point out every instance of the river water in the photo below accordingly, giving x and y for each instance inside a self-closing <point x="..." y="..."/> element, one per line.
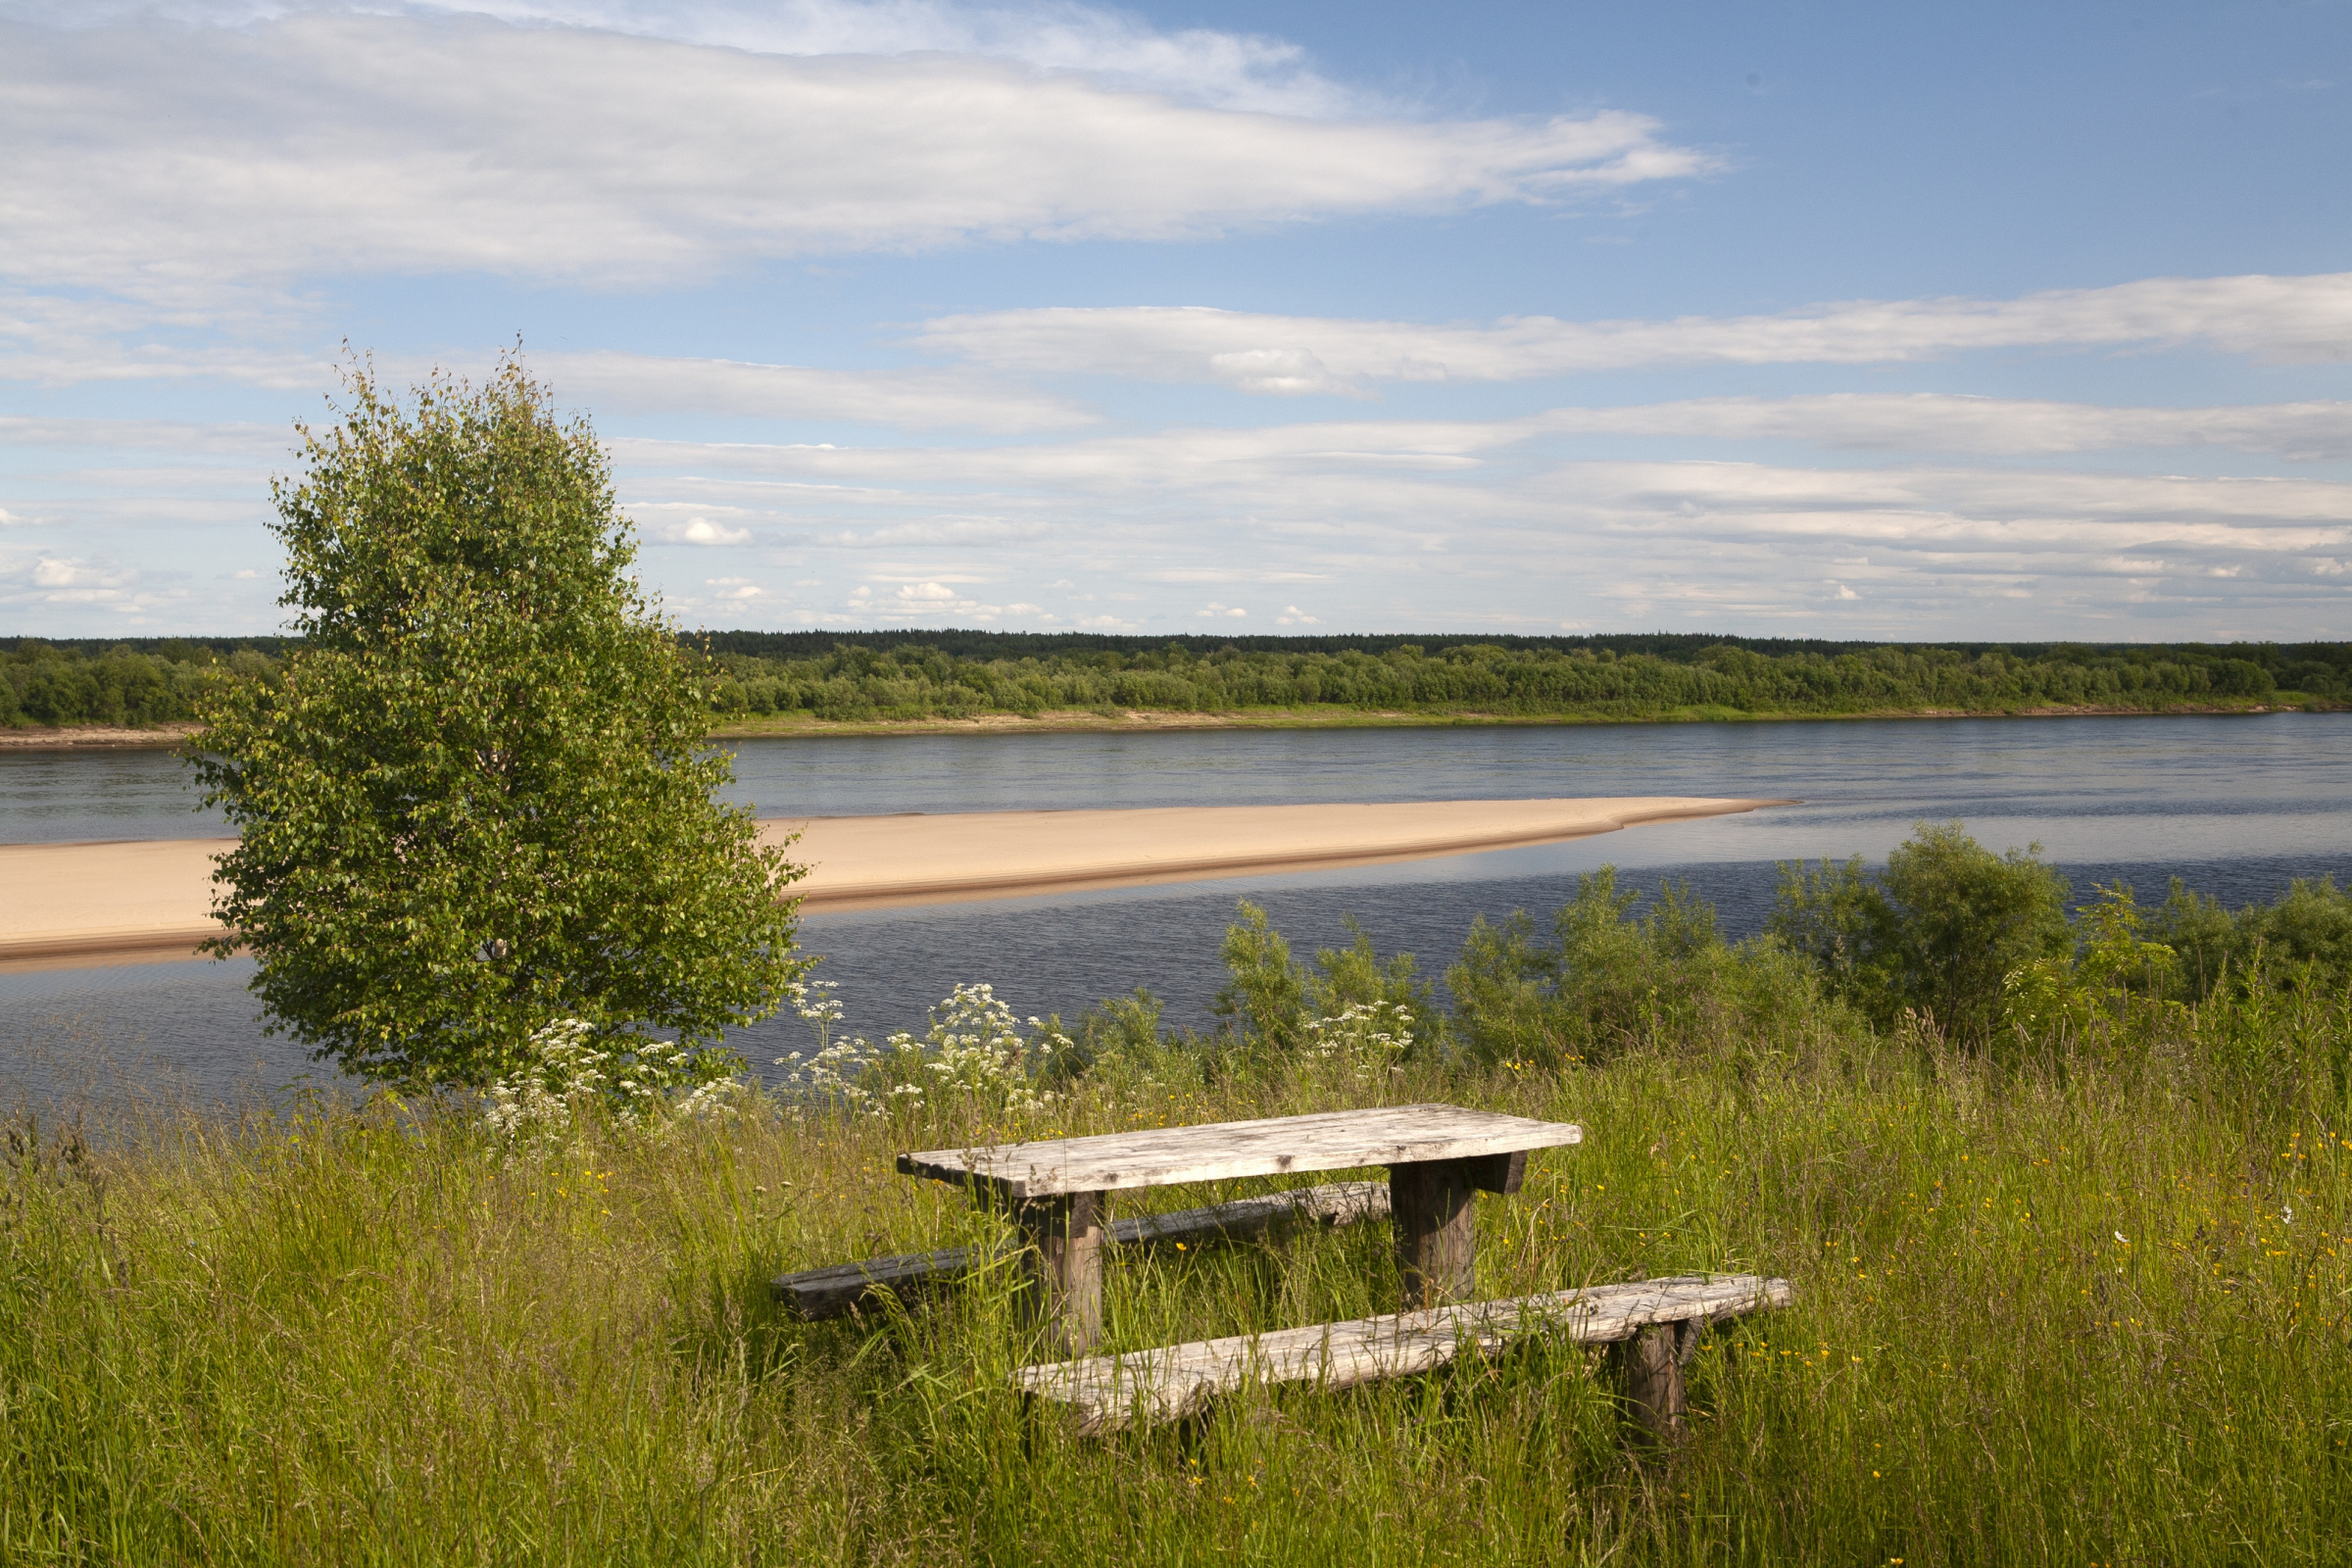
<point x="2235" y="806"/>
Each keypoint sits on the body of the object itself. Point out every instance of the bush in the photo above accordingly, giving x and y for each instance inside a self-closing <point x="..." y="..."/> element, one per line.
<point x="1272" y="1000"/>
<point x="1606" y="982"/>
<point x="1936" y="933"/>
<point x="2305" y="938"/>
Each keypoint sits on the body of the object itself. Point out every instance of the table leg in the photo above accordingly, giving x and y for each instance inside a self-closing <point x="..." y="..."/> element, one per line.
<point x="1429" y="1206"/>
<point x="1065" y="1263"/>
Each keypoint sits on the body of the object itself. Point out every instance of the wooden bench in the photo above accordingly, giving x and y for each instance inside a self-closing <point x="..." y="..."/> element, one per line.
<point x="1657" y="1320"/>
<point x="1437" y="1155"/>
<point x="825" y="1293"/>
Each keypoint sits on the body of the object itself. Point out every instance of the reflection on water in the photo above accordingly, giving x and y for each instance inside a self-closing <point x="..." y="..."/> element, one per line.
<point x="2236" y="806"/>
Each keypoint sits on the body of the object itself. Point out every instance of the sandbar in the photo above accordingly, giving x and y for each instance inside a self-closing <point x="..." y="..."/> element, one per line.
<point x="68" y="905"/>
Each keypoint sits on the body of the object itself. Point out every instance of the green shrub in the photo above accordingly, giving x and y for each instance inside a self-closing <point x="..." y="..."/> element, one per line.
<point x="2304" y="938"/>
<point x="1270" y="998"/>
<point x="1606" y="982"/>
<point x="1936" y="933"/>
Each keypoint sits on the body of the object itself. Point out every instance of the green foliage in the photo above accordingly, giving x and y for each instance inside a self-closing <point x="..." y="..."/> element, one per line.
<point x="1272" y="1000"/>
<point x="1265" y="996"/>
<point x="478" y="799"/>
<point x="2098" y="988"/>
<point x="2303" y="937"/>
<point x="152" y="682"/>
<point x="915" y="676"/>
<point x="1115" y="1027"/>
<point x="1607" y="983"/>
<point x="1936" y="933"/>
<point x="900" y="675"/>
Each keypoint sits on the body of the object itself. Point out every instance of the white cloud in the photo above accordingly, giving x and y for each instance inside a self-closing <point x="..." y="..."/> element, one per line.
<point x="933" y="600"/>
<point x="78" y="583"/>
<point x="186" y="324"/>
<point x="733" y="590"/>
<point x="57" y="342"/>
<point x="911" y="400"/>
<point x="51" y="571"/>
<point x="700" y="531"/>
<point x="1498" y="525"/>
<point x="151" y="160"/>
<point x="2274" y="317"/>
<point x="1927" y="421"/>
<point x="1231" y="71"/>
<point x="1365" y="462"/>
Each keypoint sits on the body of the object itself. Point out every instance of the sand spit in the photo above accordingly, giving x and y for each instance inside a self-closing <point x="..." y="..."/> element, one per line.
<point x="69" y="906"/>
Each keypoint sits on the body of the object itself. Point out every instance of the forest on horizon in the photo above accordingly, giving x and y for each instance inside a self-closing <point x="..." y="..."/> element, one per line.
<point x="912" y="675"/>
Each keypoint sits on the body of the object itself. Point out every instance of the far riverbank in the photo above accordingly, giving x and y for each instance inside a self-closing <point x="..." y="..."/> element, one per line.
<point x="107" y="737"/>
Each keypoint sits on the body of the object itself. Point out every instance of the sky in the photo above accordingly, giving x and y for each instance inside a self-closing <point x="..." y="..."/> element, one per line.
<point x="1914" y="323"/>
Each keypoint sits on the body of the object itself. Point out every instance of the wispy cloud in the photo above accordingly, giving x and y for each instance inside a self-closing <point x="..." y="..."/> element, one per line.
<point x="147" y="159"/>
<point x="1224" y="69"/>
<point x="1396" y="523"/>
<point x="909" y="400"/>
<point x="1940" y="423"/>
<point x="1194" y="456"/>
<point x="2272" y="317"/>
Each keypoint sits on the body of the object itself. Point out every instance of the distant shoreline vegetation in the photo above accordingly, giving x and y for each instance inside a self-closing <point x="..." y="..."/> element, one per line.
<point x="781" y="682"/>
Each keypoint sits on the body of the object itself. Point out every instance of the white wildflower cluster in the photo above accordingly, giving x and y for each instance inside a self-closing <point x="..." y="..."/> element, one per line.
<point x="837" y="1070"/>
<point x="974" y="1050"/>
<point x="1367" y="1040"/>
<point x="645" y="1082"/>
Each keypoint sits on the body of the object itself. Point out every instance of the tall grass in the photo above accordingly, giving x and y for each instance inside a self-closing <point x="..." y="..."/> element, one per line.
<point x="2084" y="1307"/>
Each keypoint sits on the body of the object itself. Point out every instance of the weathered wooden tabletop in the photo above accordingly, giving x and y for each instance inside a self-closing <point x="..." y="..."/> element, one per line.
<point x="1164" y="1157"/>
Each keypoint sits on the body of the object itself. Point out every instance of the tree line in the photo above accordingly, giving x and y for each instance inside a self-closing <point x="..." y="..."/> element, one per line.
<point x="915" y="676"/>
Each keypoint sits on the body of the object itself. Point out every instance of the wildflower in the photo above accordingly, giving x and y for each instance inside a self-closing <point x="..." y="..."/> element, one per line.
<point x="571" y="1066"/>
<point x="975" y="1049"/>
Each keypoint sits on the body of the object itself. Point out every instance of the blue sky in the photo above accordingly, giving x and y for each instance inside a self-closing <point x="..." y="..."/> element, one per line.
<point x="1848" y="321"/>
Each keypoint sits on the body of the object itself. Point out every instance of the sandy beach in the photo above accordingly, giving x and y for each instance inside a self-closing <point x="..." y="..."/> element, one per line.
<point x="74" y="905"/>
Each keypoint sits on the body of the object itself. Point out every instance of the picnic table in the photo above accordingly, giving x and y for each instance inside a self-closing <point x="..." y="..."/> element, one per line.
<point x="1437" y="1157"/>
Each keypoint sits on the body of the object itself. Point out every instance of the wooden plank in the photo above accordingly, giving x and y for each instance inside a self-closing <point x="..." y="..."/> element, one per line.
<point x="1330" y="1204"/>
<point x="830" y="1292"/>
<point x="1109" y="1391"/>
<point x="1163" y="1156"/>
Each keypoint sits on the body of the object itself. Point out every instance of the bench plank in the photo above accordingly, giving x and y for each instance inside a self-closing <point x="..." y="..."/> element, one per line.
<point x="1163" y="1156"/>
<point x="1109" y="1391"/>
<point x="830" y="1292"/>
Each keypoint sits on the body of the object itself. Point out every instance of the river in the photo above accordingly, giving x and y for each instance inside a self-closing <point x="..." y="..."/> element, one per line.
<point x="2236" y="806"/>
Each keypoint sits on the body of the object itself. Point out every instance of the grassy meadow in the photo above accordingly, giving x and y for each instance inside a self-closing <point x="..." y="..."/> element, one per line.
<point x="2079" y="1299"/>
